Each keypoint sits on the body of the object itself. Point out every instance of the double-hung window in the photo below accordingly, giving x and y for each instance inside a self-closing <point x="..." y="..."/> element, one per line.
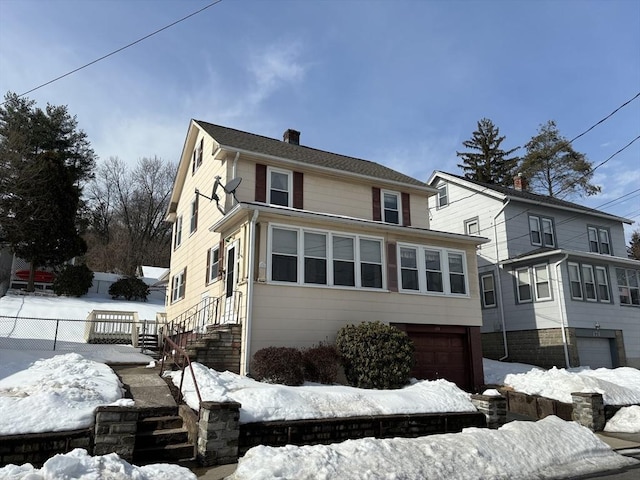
<point x="523" y="280"/>
<point x="487" y="284"/>
<point x="599" y="240"/>
<point x="392" y="207"/>
<point x="194" y="215"/>
<point x="541" y="231"/>
<point x="177" y="235"/>
<point x="196" y="160"/>
<point x="603" y="284"/>
<point x="443" y="196"/>
<point x="589" y="283"/>
<point x="543" y="286"/>
<point x="433" y="270"/>
<point x="628" y="286"/>
<point x="313" y="257"/>
<point x="213" y="264"/>
<point x="280" y="187"/>
<point x="533" y="283"/>
<point x="574" y="281"/>
<point x="178" y="286"/>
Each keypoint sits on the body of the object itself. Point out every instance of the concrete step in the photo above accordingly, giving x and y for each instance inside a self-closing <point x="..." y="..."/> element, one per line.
<point x="160" y="423"/>
<point x="163" y="454"/>
<point x="158" y="438"/>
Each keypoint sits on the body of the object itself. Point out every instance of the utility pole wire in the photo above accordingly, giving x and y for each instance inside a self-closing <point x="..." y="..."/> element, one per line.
<point x="118" y="50"/>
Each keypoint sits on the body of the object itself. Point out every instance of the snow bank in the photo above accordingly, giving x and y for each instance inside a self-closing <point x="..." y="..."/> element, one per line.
<point x="519" y="450"/>
<point x="78" y="465"/>
<point x="495" y="371"/>
<point x="268" y="402"/>
<point x="626" y="420"/>
<point x="59" y="393"/>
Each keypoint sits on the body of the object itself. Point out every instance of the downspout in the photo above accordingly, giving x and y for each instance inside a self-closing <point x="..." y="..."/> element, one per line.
<point x="499" y="280"/>
<point x="561" y="309"/>
<point x="246" y="340"/>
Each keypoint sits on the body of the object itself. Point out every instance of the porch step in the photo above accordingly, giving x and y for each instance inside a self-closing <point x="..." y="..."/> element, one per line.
<point x="164" y="454"/>
<point x="162" y="439"/>
<point x="167" y="422"/>
<point x="165" y="437"/>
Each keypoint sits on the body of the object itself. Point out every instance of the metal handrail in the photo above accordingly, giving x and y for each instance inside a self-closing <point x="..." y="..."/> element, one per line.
<point x="177" y="348"/>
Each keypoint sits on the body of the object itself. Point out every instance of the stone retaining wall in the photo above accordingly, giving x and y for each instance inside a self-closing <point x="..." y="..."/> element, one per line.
<point x="36" y="448"/>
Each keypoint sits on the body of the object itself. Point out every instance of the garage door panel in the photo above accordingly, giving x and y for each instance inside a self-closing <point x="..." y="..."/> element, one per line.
<point x="441" y="355"/>
<point x="594" y="352"/>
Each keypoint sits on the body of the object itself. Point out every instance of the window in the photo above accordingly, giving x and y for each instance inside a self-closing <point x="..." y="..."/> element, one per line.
<point x="487" y="285"/>
<point x="523" y="285"/>
<point x="603" y="284"/>
<point x="280" y="187"/>
<point x="213" y="264"/>
<point x="371" y="263"/>
<point x="589" y="283"/>
<point x="574" y="281"/>
<point x="178" y="286"/>
<point x="599" y="240"/>
<point x="391" y="204"/>
<point x="543" y="287"/>
<point x="177" y="234"/>
<point x="628" y="286"/>
<point x="541" y="231"/>
<point x="284" y="255"/>
<point x="443" y="198"/>
<point x="196" y="160"/>
<point x="326" y="258"/>
<point x="433" y="270"/>
<point x="194" y="215"/>
<point x="472" y="227"/>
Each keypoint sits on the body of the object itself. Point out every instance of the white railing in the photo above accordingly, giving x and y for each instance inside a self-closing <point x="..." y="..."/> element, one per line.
<point x="107" y="326"/>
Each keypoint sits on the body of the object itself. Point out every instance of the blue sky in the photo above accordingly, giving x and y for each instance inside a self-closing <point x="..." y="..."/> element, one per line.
<point x="399" y="82"/>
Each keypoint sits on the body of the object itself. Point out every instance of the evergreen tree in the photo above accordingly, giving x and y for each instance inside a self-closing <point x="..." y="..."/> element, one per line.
<point x="634" y="245"/>
<point x="44" y="159"/>
<point x="487" y="163"/>
<point x="554" y="168"/>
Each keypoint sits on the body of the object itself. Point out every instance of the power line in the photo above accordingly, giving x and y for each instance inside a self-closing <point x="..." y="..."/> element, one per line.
<point x="118" y="50"/>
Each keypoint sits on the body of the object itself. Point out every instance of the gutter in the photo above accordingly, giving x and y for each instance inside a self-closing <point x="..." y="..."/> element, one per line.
<point x="246" y="339"/>
<point x="561" y="309"/>
<point x="498" y="278"/>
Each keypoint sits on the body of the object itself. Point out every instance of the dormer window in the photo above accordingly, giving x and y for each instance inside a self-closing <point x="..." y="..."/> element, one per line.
<point x="280" y="187"/>
<point x="391" y="203"/>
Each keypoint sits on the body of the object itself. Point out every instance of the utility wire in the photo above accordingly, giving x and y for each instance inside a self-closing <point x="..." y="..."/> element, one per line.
<point x="118" y="50"/>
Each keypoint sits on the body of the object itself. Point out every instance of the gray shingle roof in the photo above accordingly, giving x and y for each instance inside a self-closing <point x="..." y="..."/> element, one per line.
<point x="230" y="137"/>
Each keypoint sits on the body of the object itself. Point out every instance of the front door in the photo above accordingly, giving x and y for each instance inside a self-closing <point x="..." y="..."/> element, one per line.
<point x="230" y="279"/>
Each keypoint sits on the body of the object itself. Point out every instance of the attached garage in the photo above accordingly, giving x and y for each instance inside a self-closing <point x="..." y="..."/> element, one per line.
<point x="595" y="352"/>
<point x="449" y="352"/>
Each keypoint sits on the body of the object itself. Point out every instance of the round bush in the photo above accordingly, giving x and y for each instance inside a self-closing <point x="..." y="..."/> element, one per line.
<point x="375" y="355"/>
<point x="73" y="280"/>
<point x="278" y="365"/>
<point x="321" y="364"/>
<point x="131" y="288"/>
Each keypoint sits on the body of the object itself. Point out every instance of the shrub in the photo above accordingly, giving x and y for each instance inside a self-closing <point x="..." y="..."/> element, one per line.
<point x="278" y="365"/>
<point x="73" y="280"/>
<point x="131" y="288"/>
<point x="375" y="355"/>
<point x="321" y="363"/>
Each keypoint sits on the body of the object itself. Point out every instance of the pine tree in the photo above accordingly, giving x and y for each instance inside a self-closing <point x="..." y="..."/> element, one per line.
<point x="44" y="159"/>
<point x="554" y="168"/>
<point x="488" y="163"/>
<point x="634" y="245"/>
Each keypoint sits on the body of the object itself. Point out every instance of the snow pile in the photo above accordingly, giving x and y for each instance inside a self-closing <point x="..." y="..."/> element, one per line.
<point x="59" y="393"/>
<point x="626" y="420"/>
<point x="619" y="386"/>
<point x="495" y="371"/>
<point x="268" y="402"/>
<point x="80" y="466"/>
<point x="519" y="450"/>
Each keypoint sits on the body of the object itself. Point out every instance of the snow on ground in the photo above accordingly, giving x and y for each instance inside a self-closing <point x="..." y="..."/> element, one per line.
<point x="59" y="393"/>
<point x="263" y="402"/>
<point x="549" y="448"/>
<point x="626" y="420"/>
<point x="495" y="371"/>
<point x="80" y="466"/>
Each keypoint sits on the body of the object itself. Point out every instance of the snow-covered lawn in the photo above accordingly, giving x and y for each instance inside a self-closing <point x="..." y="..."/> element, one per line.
<point x="626" y="420"/>
<point x="618" y="386"/>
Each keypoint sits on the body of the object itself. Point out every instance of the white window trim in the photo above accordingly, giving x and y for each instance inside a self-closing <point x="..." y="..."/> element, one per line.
<point x="194" y="210"/>
<point x="483" y="290"/>
<point x="529" y="284"/>
<point x="577" y="270"/>
<point x="444" y="269"/>
<point x="470" y="222"/>
<point x="534" y="271"/>
<point x="382" y="208"/>
<point x="593" y="230"/>
<point x="329" y="235"/>
<point x="289" y="175"/>
<point x="178" y="233"/>
<point x="601" y="243"/>
<point x="594" y="283"/>
<point x="177" y="284"/>
<point x="446" y="195"/>
<point x="210" y="252"/>
<point x="542" y="232"/>
<point x="539" y="230"/>
<point x="627" y="285"/>
<point x="606" y="283"/>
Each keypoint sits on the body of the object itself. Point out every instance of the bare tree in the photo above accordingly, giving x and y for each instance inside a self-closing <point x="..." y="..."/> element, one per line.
<point x="127" y="208"/>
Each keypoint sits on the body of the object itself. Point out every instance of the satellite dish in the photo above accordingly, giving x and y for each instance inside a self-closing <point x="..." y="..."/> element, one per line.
<point x="233" y="185"/>
<point x="230" y="189"/>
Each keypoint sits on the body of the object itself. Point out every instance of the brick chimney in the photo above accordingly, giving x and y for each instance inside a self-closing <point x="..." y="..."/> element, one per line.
<point x="291" y="136"/>
<point x="520" y="183"/>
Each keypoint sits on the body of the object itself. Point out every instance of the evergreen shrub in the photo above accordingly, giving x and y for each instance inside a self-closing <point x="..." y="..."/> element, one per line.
<point x="321" y="363"/>
<point x="375" y="355"/>
<point x="278" y="365"/>
<point x="73" y="280"/>
<point x="130" y="288"/>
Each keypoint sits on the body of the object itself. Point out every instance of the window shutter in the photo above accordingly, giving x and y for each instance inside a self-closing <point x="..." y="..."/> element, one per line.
<point x="406" y="210"/>
<point x="261" y="183"/>
<point x="221" y="253"/>
<point x="298" y="196"/>
<point x="377" y="211"/>
<point x="392" y="267"/>
<point x="206" y="272"/>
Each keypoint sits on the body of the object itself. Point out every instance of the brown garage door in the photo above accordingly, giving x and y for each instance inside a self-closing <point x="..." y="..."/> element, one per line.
<point x="441" y="352"/>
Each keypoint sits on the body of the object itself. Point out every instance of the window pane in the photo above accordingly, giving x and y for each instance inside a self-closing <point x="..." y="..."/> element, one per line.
<point x="621" y="276"/>
<point x="534" y="227"/>
<point x="371" y="275"/>
<point x="279" y="181"/>
<point x="343" y="273"/>
<point x="390" y="201"/>
<point x="408" y="258"/>
<point x="370" y="251"/>
<point x="391" y="216"/>
<point x="635" y="296"/>
<point x="604" y="242"/>
<point x="279" y="198"/>
<point x="410" y="279"/>
<point x="489" y="299"/>
<point x="457" y="283"/>
<point x="285" y="241"/>
<point x="603" y="284"/>
<point x="284" y="268"/>
<point x="315" y="245"/>
<point x="432" y="260"/>
<point x="632" y="276"/>
<point x="524" y="287"/>
<point x="574" y="279"/>
<point x="547" y="227"/>
<point x="315" y="271"/>
<point x="593" y="239"/>
<point x="343" y="248"/>
<point x="455" y="263"/>
<point x="434" y="282"/>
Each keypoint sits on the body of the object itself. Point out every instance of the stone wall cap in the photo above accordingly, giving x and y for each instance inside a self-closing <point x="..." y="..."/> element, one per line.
<point x="586" y="394"/>
<point x="220" y="405"/>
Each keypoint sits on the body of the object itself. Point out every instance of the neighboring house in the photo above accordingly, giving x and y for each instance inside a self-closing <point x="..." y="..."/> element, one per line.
<point x="550" y="264"/>
<point x="312" y="241"/>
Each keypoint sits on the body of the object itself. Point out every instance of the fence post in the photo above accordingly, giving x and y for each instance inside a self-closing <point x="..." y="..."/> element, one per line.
<point x="55" y="337"/>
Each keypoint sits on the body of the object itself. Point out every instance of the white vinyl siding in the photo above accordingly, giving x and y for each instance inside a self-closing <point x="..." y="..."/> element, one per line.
<point x="431" y="270"/>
